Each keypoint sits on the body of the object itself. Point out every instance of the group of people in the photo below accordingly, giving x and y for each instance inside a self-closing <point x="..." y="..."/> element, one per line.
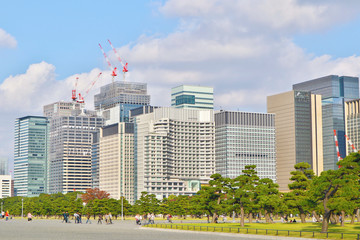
<point x="108" y="218"/>
<point x="285" y="219"/>
<point x="150" y="217"/>
<point x="5" y="215"/>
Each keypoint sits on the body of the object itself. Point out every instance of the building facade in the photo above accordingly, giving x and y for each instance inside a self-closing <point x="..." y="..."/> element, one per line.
<point x="352" y="124"/>
<point x="4" y="169"/>
<point x="115" y="100"/>
<point x="30" y="156"/>
<point x="174" y="151"/>
<point x="335" y="91"/>
<point x="5" y="186"/>
<point x="95" y="156"/>
<point x="243" y="138"/>
<point x="298" y="130"/>
<point x="70" y="144"/>
<point x="192" y="97"/>
<point x="116" y="163"/>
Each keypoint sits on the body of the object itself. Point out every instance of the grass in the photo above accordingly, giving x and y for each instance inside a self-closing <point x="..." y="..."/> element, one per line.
<point x="308" y="230"/>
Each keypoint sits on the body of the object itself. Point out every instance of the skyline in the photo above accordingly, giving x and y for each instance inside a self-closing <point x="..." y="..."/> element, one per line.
<point x="228" y="45"/>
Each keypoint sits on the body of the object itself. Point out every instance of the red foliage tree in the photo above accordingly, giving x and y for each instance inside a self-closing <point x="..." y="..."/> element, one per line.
<point x="94" y="193"/>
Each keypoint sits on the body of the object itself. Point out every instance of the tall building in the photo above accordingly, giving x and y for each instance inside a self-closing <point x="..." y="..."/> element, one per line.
<point x="298" y="131"/>
<point x="4" y="170"/>
<point x="192" y="97"/>
<point x="243" y="138"/>
<point x="70" y="147"/>
<point x="5" y="186"/>
<point x="174" y="151"/>
<point x="116" y="162"/>
<point x="335" y="91"/>
<point x="95" y="155"/>
<point x="115" y="100"/>
<point x="30" y="156"/>
<point x="352" y="124"/>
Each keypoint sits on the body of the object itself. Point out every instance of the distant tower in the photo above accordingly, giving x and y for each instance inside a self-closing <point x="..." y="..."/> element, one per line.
<point x="4" y="166"/>
<point x="30" y="156"/>
<point x="335" y="91"/>
<point x="192" y="97"/>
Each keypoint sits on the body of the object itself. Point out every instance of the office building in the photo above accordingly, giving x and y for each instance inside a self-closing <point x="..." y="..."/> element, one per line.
<point x="4" y="170"/>
<point x="5" y="186"/>
<point x="298" y="131"/>
<point x="352" y="125"/>
<point x="70" y="144"/>
<point x="115" y="100"/>
<point x="174" y="151"/>
<point x="30" y="156"/>
<point x="95" y="155"/>
<point x="192" y="97"/>
<point x="116" y="162"/>
<point x="243" y="138"/>
<point x="335" y="91"/>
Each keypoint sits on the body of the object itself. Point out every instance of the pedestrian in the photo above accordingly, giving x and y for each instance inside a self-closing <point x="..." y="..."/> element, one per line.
<point x="2" y="214"/>
<point x="152" y="218"/>
<point x="79" y="218"/>
<point x="106" y="216"/>
<point x="137" y="219"/>
<point x="148" y="218"/>
<point x="110" y="218"/>
<point x="100" y="219"/>
<point x="67" y="217"/>
<point x="88" y="219"/>
<point x="7" y="215"/>
<point x="29" y="216"/>
<point x="64" y="217"/>
<point x="76" y="218"/>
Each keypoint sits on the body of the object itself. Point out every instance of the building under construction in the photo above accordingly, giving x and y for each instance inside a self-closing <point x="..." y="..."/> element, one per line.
<point x="116" y="99"/>
<point x="70" y="143"/>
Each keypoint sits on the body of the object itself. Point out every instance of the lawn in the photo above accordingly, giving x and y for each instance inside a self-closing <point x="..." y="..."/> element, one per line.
<point x="281" y="229"/>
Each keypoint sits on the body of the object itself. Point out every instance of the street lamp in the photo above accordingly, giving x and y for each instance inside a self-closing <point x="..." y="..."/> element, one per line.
<point x="22" y="208"/>
<point x="1" y="206"/>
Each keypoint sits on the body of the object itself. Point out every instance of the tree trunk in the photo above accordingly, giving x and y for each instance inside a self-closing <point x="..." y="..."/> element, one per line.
<point x="214" y="217"/>
<point x="242" y="216"/>
<point x="342" y="218"/>
<point x="326" y="218"/>
<point x="208" y="217"/>
<point x="353" y="217"/>
<point x="250" y="217"/>
<point x="358" y="214"/>
<point x="266" y="216"/>
<point x="259" y="215"/>
<point x="316" y="216"/>
<point x="332" y="218"/>
<point x="302" y="215"/>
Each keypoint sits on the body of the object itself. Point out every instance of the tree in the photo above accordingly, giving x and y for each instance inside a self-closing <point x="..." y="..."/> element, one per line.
<point x="148" y="203"/>
<point x="267" y="196"/>
<point x="244" y="191"/>
<point x="94" y="193"/>
<point x="333" y="184"/>
<point x="298" y="197"/>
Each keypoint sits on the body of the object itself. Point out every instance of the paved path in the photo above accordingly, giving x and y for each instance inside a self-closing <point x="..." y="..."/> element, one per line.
<point x="54" y="229"/>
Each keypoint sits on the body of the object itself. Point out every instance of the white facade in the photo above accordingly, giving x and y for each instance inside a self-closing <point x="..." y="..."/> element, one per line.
<point x="174" y="151"/>
<point x="5" y="186"/>
<point x="192" y="97"/>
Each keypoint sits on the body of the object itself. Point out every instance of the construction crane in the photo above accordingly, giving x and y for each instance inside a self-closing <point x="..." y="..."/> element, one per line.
<point x="125" y="66"/>
<point x="351" y="144"/>
<point x="92" y="84"/>
<point x="337" y="147"/>
<point x="73" y="92"/>
<point x="113" y="74"/>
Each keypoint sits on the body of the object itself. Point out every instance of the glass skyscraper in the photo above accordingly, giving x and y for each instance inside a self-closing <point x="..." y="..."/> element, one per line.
<point x="30" y="156"/>
<point x="335" y="91"/>
<point x="4" y="166"/>
<point x="243" y="138"/>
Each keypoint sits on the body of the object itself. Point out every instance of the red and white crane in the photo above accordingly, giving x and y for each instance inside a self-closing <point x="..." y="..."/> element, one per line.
<point x="337" y="146"/>
<point x="73" y="92"/>
<point x="351" y="144"/>
<point x="125" y="66"/>
<point x="92" y="84"/>
<point x="113" y="74"/>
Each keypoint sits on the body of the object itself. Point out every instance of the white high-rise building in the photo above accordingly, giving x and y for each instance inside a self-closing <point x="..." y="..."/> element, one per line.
<point x="70" y="140"/>
<point x="192" y="97"/>
<point x="174" y="151"/>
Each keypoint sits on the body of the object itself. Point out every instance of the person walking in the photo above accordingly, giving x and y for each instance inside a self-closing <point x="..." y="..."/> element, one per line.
<point x="76" y="218"/>
<point x="100" y="219"/>
<point x="152" y="218"/>
<point x="88" y="219"/>
<point x="110" y="218"/>
<point x="7" y="215"/>
<point x="29" y="216"/>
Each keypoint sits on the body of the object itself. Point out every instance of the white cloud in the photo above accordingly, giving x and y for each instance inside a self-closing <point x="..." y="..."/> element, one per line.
<point x="6" y="40"/>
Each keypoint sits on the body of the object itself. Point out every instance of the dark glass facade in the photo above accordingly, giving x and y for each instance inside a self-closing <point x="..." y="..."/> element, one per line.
<point x="334" y="90"/>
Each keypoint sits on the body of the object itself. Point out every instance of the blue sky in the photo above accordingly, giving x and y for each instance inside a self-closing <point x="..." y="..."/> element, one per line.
<point x="246" y="49"/>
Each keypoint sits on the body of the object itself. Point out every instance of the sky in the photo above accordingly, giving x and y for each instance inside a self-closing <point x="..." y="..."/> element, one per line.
<point x="245" y="49"/>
